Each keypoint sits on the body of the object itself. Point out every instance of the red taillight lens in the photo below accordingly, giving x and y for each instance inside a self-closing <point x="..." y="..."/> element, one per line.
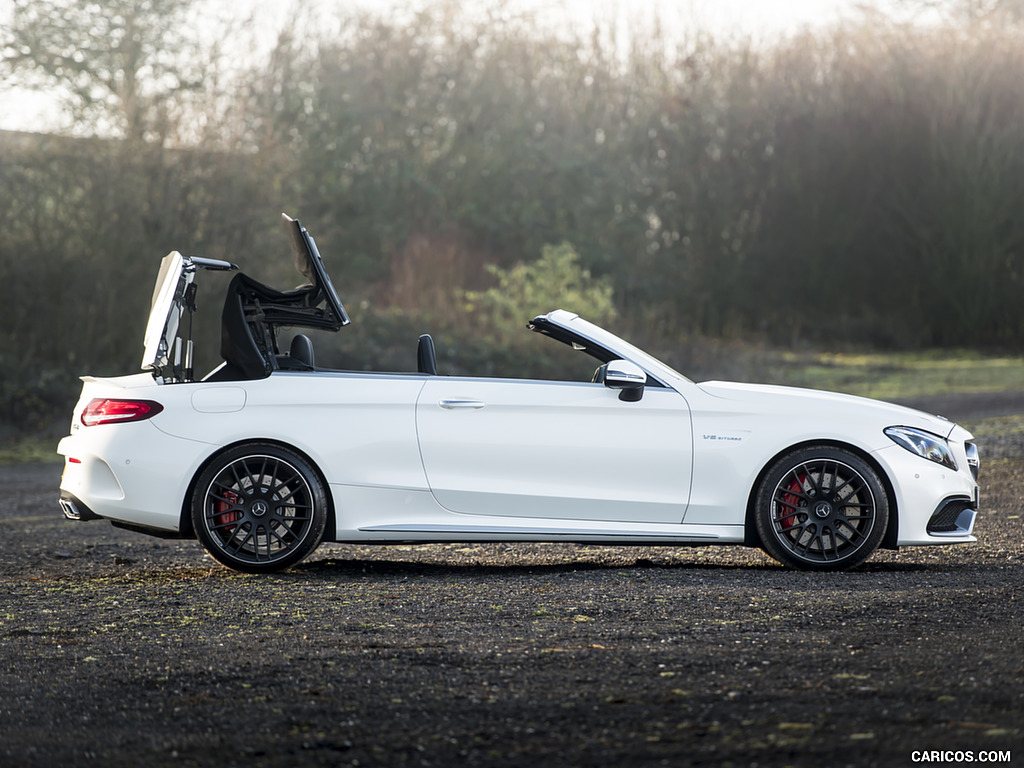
<point x="106" y="411"/>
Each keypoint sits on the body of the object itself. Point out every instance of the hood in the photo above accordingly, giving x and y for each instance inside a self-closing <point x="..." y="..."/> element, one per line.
<point x="831" y="403"/>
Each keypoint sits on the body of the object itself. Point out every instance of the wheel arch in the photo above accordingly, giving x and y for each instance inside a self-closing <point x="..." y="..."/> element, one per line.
<point x="891" y="536"/>
<point x="185" y="513"/>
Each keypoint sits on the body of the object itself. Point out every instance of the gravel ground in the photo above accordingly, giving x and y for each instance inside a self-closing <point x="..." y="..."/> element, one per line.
<point x="117" y="649"/>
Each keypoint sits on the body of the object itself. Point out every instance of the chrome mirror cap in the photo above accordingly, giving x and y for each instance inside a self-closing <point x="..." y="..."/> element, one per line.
<point x="627" y="377"/>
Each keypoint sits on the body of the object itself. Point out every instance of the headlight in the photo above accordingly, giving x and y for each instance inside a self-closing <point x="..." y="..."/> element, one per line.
<point x="924" y="444"/>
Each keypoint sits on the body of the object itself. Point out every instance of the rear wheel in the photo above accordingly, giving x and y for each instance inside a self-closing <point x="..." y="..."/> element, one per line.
<point x="259" y="507"/>
<point x="821" y="508"/>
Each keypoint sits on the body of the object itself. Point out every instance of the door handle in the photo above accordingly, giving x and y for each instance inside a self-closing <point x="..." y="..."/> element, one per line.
<point x="453" y="404"/>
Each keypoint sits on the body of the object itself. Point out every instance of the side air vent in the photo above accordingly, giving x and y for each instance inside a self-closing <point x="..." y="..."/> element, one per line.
<point x="954" y="518"/>
<point x="973" y="461"/>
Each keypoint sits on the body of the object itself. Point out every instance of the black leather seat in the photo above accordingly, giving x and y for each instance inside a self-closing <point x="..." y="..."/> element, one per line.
<point x="426" y="360"/>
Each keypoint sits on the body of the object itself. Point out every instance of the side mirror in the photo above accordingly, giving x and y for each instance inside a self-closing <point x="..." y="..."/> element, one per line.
<point x="626" y="377"/>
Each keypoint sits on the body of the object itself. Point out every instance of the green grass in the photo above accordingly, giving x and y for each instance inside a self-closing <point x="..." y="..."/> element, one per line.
<point x="29" y="450"/>
<point x="893" y="376"/>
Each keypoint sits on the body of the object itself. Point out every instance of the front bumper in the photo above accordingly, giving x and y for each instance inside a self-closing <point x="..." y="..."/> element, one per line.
<point x="936" y="504"/>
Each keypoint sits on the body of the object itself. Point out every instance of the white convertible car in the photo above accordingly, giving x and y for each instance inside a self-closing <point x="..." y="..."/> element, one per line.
<point x="269" y="455"/>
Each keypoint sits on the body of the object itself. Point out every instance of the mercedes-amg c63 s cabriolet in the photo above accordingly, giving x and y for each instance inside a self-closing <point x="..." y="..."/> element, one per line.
<point x="270" y="454"/>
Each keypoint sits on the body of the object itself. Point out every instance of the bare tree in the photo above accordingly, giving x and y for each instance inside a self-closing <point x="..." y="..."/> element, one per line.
<point x="117" y="64"/>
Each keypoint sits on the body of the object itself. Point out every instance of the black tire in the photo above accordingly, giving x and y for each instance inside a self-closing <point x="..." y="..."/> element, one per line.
<point x="821" y="508"/>
<point x="259" y="507"/>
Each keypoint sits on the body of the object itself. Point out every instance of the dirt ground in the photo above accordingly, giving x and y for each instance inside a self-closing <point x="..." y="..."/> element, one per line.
<point x="117" y="649"/>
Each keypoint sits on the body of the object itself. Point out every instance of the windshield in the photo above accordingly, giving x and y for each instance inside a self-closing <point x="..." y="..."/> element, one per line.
<point x="572" y="329"/>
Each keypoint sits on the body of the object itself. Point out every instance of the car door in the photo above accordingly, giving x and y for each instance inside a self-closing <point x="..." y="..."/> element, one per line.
<point x="555" y="450"/>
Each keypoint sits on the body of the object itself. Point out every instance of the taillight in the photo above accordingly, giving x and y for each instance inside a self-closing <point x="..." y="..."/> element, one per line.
<point x="104" y="410"/>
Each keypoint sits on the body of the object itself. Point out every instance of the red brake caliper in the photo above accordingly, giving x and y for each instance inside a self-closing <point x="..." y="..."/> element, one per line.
<point x="791" y="499"/>
<point x="224" y="515"/>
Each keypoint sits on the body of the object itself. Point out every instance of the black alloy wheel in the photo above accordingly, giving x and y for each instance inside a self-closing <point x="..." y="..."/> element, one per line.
<point x="821" y="508"/>
<point x="259" y="507"/>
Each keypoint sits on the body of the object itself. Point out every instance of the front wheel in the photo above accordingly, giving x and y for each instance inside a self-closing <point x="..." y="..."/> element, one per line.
<point x="259" y="507"/>
<point x="821" y="508"/>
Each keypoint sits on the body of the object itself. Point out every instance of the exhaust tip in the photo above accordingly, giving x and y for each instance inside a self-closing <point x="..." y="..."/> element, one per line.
<point x="70" y="510"/>
<point x="73" y="509"/>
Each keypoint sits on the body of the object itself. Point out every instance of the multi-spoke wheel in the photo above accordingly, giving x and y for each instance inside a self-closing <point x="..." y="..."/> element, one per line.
<point x="259" y="507"/>
<point x="821" y="508"/>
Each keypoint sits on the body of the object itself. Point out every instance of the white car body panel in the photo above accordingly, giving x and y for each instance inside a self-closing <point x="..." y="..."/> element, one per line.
<point x="555" y="450"/>
<point x="359" y="429"/>
<point x="738" y="428"/>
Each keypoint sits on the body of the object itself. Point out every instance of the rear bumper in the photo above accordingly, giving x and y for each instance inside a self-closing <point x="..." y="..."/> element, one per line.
<point x="130" y="473"/>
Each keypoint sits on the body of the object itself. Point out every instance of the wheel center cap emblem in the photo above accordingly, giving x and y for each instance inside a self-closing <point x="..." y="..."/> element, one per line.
<point x="260" y="508"/>
<point x="822" y="509"/>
